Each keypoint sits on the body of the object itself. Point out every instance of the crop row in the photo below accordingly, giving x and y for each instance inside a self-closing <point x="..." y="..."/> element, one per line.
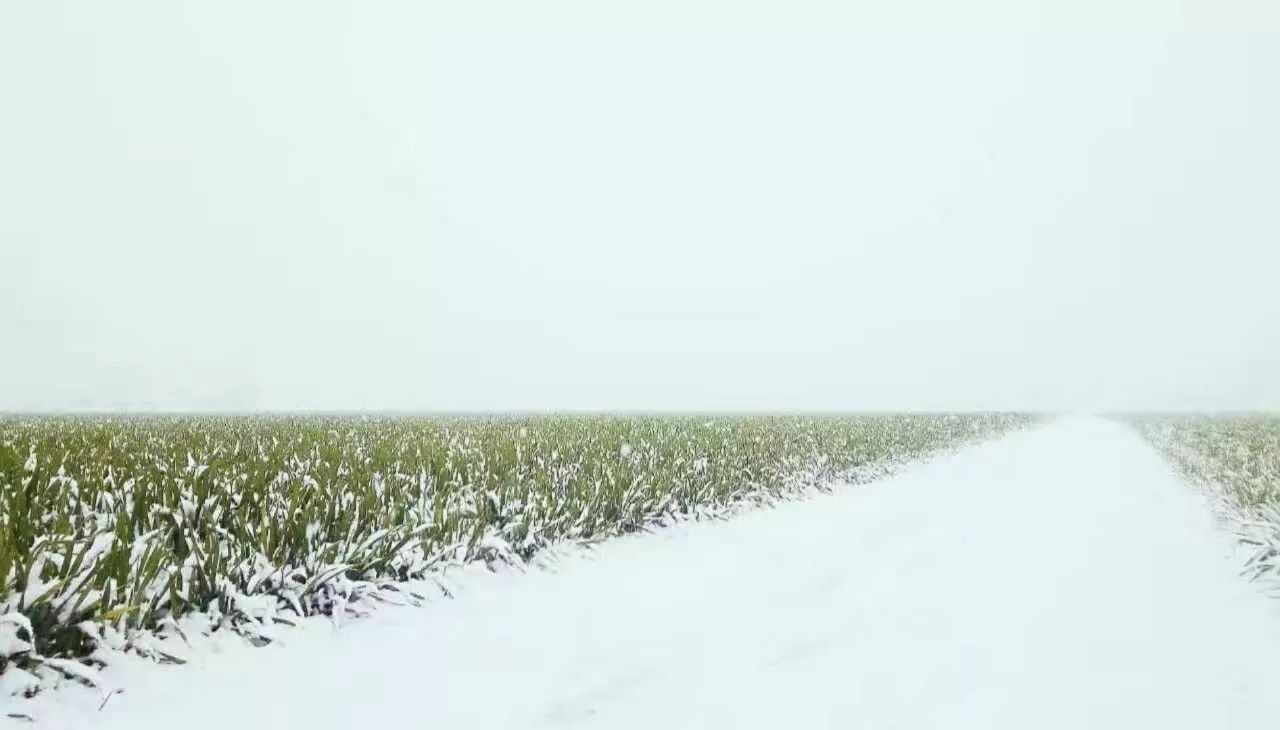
<point x="114" y="526"/>
<point x="1237" y="459"/>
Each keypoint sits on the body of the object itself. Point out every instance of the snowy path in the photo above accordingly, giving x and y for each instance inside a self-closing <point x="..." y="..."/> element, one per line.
<point x="1058" y="578"/>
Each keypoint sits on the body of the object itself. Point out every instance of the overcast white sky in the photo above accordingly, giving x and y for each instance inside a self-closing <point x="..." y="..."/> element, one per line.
<point x="660" y="204"/>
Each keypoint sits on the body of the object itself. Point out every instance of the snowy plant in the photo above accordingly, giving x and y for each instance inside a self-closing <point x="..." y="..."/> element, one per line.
<point x="1237" y="460"/>
<point x="113" y="528"/>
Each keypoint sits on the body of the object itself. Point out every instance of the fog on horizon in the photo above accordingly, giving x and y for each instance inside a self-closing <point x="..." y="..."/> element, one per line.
<point x="699" y="205"/>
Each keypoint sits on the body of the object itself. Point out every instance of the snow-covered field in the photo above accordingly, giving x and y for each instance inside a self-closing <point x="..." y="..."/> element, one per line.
<point x="1060" y="577"/>
<point x="111" y="528"/>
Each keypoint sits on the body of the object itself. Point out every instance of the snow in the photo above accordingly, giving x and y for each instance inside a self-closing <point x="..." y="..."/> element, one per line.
<point x="1061" y="577"/>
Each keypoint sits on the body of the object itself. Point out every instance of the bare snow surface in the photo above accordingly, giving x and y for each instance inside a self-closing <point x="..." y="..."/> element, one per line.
<point x="1061" y="577"/>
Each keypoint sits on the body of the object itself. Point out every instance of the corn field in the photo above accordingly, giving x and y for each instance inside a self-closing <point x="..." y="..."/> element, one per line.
<point x="1238" y="460"/>
<point x="113" y="527"/>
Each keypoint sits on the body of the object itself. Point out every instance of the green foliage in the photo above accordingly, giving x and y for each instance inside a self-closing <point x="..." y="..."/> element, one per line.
<point x="1239" y="456"/>
<point x="123" y="522"/>
<point x="1236" y="458"/>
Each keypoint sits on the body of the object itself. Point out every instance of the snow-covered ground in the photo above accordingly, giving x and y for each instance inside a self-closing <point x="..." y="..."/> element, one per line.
<point x="1061" y="577"/>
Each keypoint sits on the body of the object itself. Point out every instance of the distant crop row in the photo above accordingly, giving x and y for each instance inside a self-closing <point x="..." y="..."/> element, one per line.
<point x="112" y="526"/>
